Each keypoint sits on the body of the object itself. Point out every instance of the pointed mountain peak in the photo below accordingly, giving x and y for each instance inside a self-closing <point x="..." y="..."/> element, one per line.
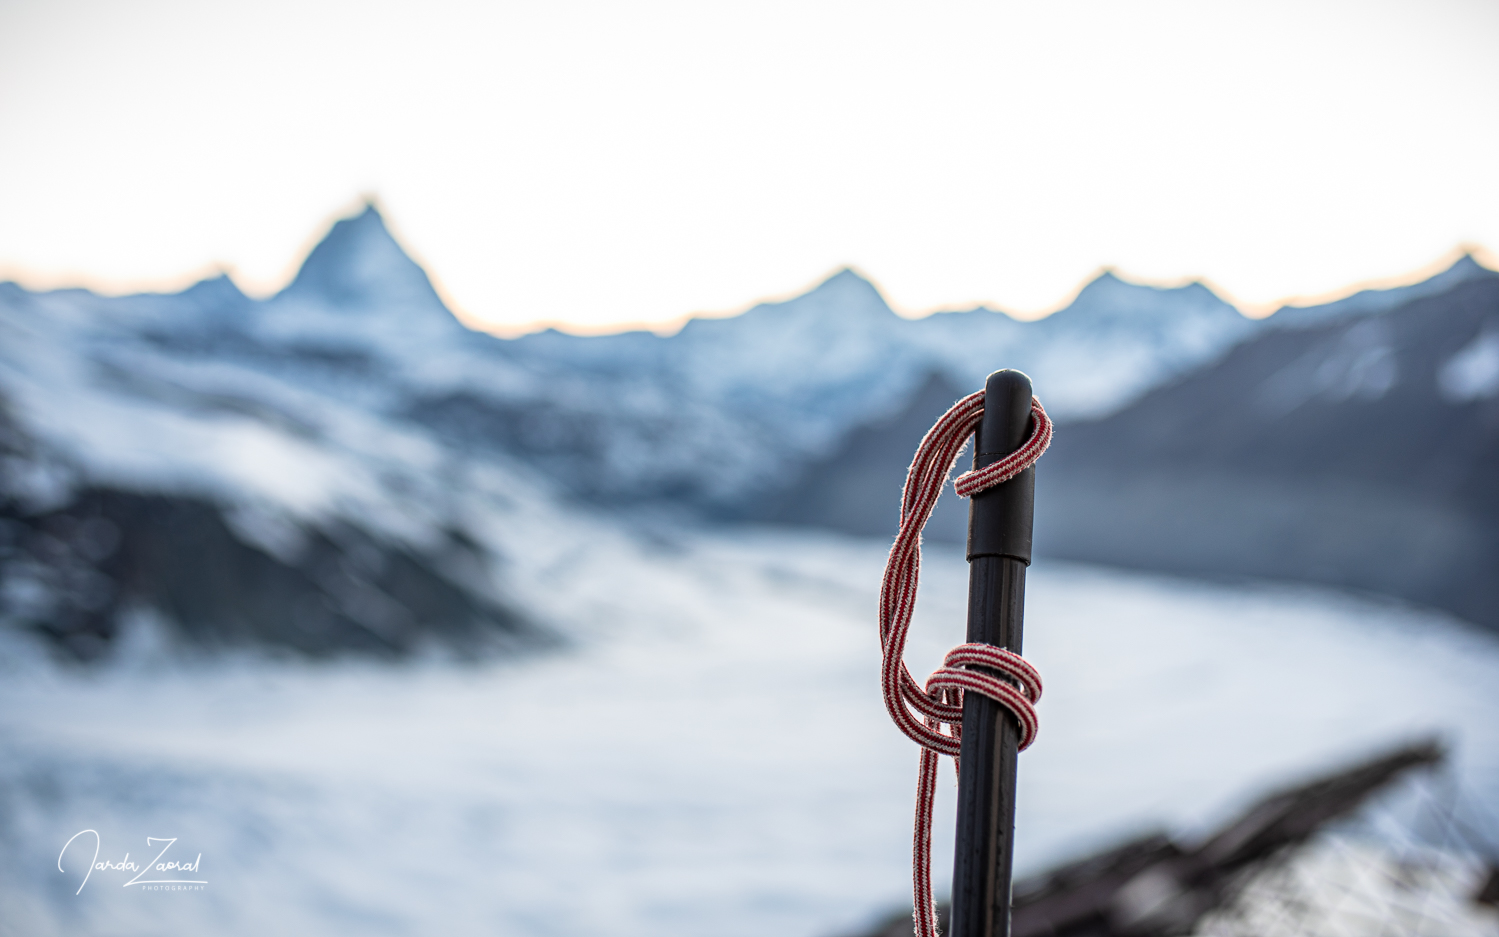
<point x="1109" y="284"/>
<point x="1466" y="266"/>
<point x="845" y="278"/>
<point x="359" y="264"/>
<point x="1375" y="300"/>
<point x="847" y="287"/>
<point x="1111" y="298"/>
<point x="845" y="299"/>
<point x="1110" y="290"/>
<point x="218" y="288"/>
<point x="216" y="296"/>
<point x="845" y="295"/>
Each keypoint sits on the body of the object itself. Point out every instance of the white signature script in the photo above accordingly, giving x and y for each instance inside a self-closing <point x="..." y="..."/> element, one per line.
<point x="125" y="865"/>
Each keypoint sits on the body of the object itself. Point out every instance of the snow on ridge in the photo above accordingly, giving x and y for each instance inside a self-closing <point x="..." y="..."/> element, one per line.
<point x="136" y="402"/>
<point x="355" y="399"/>
<point x="724" y="408"/>
<point x="360" y="264"/>
<point x="1373" y="301"/>
<point x="196" y="452"/>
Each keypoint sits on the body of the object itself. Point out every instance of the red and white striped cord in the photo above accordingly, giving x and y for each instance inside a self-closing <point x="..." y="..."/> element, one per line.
<point x="940" y="702"/>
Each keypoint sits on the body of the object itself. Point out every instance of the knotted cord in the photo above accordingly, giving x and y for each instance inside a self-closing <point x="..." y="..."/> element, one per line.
<point x="940" y="702"/>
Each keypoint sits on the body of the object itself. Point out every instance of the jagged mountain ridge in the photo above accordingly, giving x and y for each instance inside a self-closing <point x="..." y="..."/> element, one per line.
<point x="1376" y="300"/>
<point x="359" y="265"/>
<point x="381" y="473"/>
<point x="1356" y="451"/>
<point x="715" y="416"/>
<point x="1360" y="453"/>
<point x="161" y="466"/>
<point x="838" y="355"/>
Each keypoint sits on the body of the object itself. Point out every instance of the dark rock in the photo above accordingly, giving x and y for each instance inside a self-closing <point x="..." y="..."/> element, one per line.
<point x="73" y="573"/>
<point x="1153" y="886"/>
<point x="77" y="560"/>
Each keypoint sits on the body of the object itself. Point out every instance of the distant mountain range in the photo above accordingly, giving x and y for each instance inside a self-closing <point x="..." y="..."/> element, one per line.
<point x="1361" y="453"/>
<point x="1357" y="449"/>
<point x="346" y="466"/>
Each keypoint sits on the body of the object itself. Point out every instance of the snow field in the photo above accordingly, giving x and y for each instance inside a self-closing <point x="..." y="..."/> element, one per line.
<point x="710" y="755"/>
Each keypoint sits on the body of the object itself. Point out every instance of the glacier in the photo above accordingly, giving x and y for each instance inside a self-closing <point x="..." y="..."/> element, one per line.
<point x="714" y="758"/>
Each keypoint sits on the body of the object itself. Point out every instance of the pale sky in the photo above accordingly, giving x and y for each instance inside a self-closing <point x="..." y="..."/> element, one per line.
<point x="602" y="164"/>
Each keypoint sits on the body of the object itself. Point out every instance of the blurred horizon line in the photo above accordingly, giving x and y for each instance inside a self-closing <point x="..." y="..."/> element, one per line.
<point x="261" y="290"/>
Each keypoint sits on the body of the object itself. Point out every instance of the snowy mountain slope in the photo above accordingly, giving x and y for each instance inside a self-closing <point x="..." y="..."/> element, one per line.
<point x="1114" y="341"/>
<point x="1355" y="450"/>
<point x="240" y="496"/>
<point x="710" y="417"/>
<point x="350" y="426"/>
<point x="817" y="365"/>
<point x="794" y="379"/>
<point x="1360" y="453"/>
<point x="1366" y="302"/>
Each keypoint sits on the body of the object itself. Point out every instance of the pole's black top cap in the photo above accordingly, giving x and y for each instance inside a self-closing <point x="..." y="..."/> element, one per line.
<point x="1000" y="519"/>
<point x="1007" y="415"/>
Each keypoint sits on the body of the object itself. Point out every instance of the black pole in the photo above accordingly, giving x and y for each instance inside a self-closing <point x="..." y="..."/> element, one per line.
<point x="999" y="550"/>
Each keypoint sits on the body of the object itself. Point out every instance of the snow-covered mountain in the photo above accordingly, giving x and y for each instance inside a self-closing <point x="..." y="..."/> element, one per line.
<point x="345" y="468"/>
<point x="795" y="377"/>
<point x="1369" y="301"/>
<point x="159" y="463"/>
<point x="345" y="464"/>
<point x="1352" y="449"/>
<point x="231" y="470"/>
<point x="1361" y="453"/>
<point x="725" y="407"/>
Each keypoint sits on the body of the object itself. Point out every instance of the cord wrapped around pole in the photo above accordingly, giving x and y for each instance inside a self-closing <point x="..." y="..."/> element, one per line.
<point x="999" y="679"/>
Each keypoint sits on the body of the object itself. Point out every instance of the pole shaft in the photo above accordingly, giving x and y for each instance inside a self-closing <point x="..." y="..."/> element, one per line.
<point x="999" y="550"/>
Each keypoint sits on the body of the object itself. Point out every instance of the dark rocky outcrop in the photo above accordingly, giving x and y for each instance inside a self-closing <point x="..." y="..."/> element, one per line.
<point x="75" y="568"/>
<point x="74" y="574"/>
<point x="1155" y="886"/>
